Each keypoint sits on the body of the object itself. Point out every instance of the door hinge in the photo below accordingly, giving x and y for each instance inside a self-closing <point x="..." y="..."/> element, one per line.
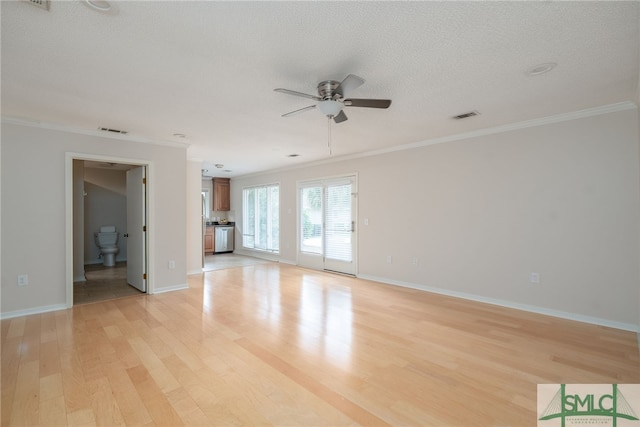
<point x="144" y="228"/>
<point x="144" y="180"/>
<point x="144" y="276"/>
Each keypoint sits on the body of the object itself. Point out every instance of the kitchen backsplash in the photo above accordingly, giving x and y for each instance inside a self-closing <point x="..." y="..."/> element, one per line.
<point x="218" y="215"/>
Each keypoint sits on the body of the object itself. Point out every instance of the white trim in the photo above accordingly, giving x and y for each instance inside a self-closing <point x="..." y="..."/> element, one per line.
<point x="69" y="158"/>
<point x="563" y="117"/>
<point x="193" y="272"/>
<point x="30" y="311"/>
<point x="171" y="288"/>
<point x="508" y="304"/>
<point x="92" y="132"/>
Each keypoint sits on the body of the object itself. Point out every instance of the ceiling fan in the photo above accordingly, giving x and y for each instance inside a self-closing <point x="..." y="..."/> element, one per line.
<point x="331" y="98"/>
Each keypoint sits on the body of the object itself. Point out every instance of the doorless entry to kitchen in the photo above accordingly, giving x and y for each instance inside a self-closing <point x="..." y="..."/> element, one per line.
<point x="326" y="224"/>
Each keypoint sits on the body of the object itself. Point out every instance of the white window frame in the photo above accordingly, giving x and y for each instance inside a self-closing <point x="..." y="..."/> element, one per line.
<point x="272" y="245"/>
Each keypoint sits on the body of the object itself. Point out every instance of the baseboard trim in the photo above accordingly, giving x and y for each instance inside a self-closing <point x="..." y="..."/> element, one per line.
<point x="170" y="288"/>
<point x="80" y="279"/>
<point x="30" y="311"/>
<point x="196" y="271"/>
<point x="510" y="304"/>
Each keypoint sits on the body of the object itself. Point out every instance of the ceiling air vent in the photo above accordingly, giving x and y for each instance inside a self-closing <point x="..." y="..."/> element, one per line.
<point x="466" y="115"/>
<point x="42" y="4"/>
<point x="122" y="132"/>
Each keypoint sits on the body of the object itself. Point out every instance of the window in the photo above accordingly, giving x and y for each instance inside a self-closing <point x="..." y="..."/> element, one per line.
<point x="206" y="202"/>
<point x="261" y="218"/>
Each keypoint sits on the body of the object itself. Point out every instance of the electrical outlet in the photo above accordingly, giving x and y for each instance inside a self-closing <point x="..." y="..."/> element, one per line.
<point x="389" y="259"/>
<point x="366" y="221"/>
<point x="23" y="280"/>
<point x="172" y="265"/>
<point x="414" y="262"/>
<point x="534" y="277"/>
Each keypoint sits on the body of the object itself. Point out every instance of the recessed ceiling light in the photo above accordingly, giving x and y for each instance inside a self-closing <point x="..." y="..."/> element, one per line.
<point x="536" y="70"/>
<point x="219" y="165"/>
<point x="180" y="135"/>
<point x="293" y="155"/>
<point x="227" y="170"/>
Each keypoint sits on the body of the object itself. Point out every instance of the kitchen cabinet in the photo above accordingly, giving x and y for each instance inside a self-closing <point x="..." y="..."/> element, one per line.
<point x="221" y="194"/>
<point x="209" y="239"/>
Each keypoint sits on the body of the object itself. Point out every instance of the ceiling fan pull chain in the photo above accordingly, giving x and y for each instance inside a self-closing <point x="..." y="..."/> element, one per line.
<point x="329" y="126"/>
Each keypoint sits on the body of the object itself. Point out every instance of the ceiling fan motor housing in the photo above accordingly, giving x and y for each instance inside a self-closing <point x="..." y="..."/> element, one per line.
<point x="326" y="90"/>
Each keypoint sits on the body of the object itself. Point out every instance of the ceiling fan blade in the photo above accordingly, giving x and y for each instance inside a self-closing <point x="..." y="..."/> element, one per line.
<point x="341" y="117"/>
<point x="293" y="92"/>
<point x="371" y="103"/>
<point x="291" y="113"/>
<point x="349" y="83"/>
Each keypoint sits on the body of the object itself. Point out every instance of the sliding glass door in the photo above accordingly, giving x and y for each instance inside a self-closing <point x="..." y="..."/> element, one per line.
<point x="326" y="211"/>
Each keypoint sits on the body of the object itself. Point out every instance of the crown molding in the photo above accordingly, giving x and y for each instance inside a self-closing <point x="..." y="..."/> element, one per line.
<point x="564" y="117"/>
<point x="91" y="132"/>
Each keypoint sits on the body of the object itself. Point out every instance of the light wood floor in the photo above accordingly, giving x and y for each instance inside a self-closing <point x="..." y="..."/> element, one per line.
<point x="274" y="344"/>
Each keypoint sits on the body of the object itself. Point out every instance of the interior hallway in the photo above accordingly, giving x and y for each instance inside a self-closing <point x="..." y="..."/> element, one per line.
<point x="274" y="344"/>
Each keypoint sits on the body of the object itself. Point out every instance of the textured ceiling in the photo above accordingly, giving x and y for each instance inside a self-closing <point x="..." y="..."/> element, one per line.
<point x="208" y="70"/>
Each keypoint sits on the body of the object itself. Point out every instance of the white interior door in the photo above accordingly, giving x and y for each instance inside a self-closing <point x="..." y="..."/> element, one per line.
<point x="136" y="229"/>
<point x="326" y="211"/>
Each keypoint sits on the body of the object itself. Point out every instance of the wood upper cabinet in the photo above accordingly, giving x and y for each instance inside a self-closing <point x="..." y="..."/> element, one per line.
<point x="221" y="194"/>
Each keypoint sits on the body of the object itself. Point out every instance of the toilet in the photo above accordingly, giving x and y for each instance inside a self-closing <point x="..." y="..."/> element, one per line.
<point x="107" y="240"/>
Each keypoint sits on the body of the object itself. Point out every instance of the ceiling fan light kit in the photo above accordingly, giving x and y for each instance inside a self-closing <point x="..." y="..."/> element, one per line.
<point x="330" y="108"/>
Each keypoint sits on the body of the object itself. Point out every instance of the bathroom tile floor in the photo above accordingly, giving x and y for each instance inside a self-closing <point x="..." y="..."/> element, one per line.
<point x="103" y="283"/>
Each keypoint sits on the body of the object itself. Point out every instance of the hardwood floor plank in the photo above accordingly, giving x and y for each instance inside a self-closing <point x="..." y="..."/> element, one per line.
<point x="24" y="411"/>
<point x="273" y="344"/>
<point x="81" y="418"/>
<point x="51" y="387"/>
<point x="52" y="412"/>
<point x="126" y="395"/>
<point x="153" y="398"/>
<point x="351" y="409"/>
<point x="105" y="407"/>
<point x="9" y="375"/>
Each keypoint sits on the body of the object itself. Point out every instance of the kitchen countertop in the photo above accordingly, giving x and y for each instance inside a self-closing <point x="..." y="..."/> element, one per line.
<point x="212" y="223"/>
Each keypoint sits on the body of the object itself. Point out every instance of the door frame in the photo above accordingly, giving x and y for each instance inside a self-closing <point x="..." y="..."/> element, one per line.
<point x="354" y="215"/>
<point x="150" y="202"/>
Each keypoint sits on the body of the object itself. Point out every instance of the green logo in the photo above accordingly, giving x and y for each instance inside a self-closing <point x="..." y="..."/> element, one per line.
<point x="585" y="403"/>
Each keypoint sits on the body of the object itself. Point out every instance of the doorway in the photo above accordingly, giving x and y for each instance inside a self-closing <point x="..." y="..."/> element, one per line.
<point x="104" y="191"/>
<point x="326" y="224"/>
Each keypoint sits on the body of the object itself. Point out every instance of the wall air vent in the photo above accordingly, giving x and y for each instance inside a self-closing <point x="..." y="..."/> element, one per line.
<point x="466" y="115"/>
<point x="42" y="4"/>
<point x="122" y="132"/>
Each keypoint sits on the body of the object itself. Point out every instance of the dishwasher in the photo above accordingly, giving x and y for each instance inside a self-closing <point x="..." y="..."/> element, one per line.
<point x="223" y="238"/>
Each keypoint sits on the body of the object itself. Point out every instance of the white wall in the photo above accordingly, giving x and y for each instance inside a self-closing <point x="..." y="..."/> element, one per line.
<point x="480" y="214"/>
<point x="34" y="212"/>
